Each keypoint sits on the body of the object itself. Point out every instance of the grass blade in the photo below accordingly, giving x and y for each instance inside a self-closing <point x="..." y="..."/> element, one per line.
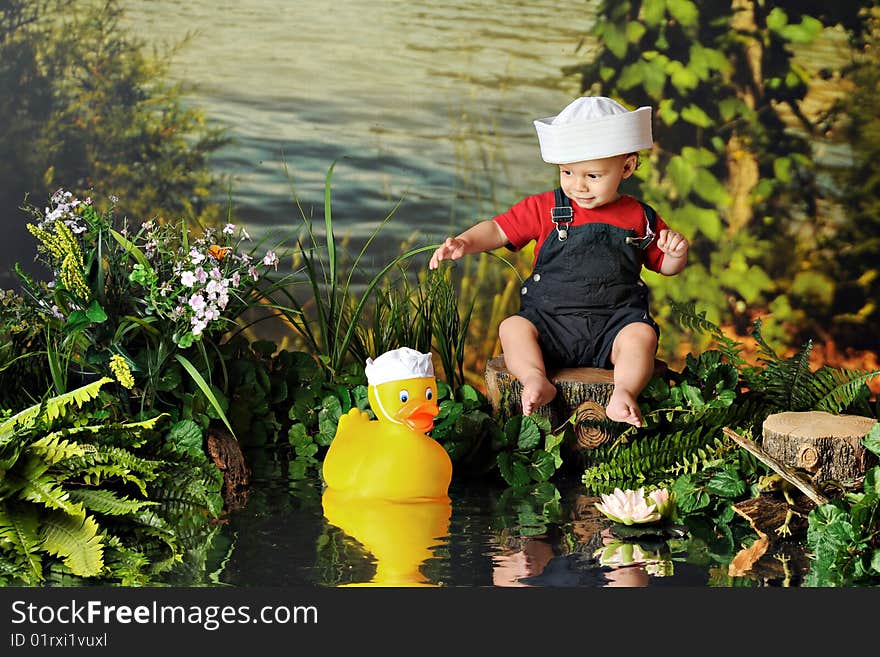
<point x="205" y="388"/>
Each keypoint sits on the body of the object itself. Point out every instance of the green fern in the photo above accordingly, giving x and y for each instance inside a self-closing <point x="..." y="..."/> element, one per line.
<point x="128" y="432"/>
<point x="107" y="502"/>
<point x="20" y="538"/>
<point x="53" y="448"/>
<point x="55" y="455"/>
<point x="51" y="409"/>
<point x="836" y="390"/>
<point x="76" y="541"/>
<point x="687" y="317"/>
<point x="32" y="482"/>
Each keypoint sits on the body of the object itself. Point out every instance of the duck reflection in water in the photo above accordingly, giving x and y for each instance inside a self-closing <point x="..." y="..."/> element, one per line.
<point x="386" y="481"/>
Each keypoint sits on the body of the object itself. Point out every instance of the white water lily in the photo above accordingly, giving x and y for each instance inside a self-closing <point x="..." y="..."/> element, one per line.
<point x="663" y="500"/>
<point x="629" y="507"/>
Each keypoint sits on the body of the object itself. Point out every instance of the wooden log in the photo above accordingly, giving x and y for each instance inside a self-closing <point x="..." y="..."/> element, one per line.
<point x="581" y="391"/>
<point x="827" y="446"/>
<point x="225" y="452"/>
<point x="788" y="473"/>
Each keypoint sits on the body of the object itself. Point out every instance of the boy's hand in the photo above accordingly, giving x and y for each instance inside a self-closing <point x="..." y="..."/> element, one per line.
<point x="672" y="243"/>
<point x="452" y="249"/>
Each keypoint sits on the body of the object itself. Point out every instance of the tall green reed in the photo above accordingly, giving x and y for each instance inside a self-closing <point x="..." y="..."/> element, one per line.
<point x="331" y="320"/>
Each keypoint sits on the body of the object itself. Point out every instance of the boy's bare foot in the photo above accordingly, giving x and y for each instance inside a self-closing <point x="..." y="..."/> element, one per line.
<point x="622" y="407"/>
<point x="536" y="391"/>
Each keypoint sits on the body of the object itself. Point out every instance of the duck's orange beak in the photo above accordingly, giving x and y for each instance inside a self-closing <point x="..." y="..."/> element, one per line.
<point x="419" y="418"/>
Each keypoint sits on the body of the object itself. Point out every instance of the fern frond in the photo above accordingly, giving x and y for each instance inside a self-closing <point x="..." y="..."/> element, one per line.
<point x="19" y="534"/>
<point x="52" y="408"/>
<point x="834" y="390"/>
<point x="687" y="317"/>
<point x="76" y="541"/>
<point x="785" y="382"/>
<point x="31" y="481"/>
<point x="114" y="430"/>
<point x="99" y="473"/>
<point x="123" y="457"/>
<point x="107" y="502"/>
<point x="52" y="448"/>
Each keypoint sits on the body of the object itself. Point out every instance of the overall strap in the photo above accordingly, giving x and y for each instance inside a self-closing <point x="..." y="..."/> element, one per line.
<point x="561" y="214"/>
<point x="650" y="216"/>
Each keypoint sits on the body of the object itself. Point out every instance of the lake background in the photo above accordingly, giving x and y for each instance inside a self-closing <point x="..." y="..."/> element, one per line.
<point x="429" y="102"/>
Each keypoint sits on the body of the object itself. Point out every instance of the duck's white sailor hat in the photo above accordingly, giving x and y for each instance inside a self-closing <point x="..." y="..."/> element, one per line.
<point x="397" y="364"/>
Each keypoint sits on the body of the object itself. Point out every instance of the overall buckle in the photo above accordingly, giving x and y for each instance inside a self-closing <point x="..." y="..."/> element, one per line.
<point x="642" y="242"/>
<point x="562" y="217"/>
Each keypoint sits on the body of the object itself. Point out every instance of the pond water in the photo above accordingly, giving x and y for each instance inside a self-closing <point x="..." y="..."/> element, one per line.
<point x="431" y="101"/>
<point x="485" y="538"/>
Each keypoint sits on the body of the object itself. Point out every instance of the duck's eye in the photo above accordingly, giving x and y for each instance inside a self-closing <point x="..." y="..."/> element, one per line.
<point x="429" y="394"/>
<point x="404" y="396"/>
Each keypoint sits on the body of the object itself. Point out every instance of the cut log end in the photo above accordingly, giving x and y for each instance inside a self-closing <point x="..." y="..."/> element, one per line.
<point x="827" y="446"/>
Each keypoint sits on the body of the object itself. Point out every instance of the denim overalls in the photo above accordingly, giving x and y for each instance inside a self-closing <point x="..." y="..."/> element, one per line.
<point x="585" y="287"/>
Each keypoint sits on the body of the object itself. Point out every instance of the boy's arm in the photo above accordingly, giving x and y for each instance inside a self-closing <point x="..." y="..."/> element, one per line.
<point x="484" y="236"/>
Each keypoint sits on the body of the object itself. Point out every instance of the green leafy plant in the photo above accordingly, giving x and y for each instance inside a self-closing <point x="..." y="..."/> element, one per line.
<point x="85" y="496"/>
<point x="333" y="329"/>
<point x="844" y="534"/>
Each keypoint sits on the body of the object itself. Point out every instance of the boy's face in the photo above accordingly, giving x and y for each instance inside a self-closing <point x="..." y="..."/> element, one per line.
<point x="593" y="183"/>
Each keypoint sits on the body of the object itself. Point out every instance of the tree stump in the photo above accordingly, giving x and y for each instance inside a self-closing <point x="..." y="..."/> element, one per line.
<point x="581" y="391"/>
<point x="827" y="446"/>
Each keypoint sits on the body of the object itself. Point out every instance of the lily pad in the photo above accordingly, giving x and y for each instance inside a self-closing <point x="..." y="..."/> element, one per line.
<point x="660" y="531"/>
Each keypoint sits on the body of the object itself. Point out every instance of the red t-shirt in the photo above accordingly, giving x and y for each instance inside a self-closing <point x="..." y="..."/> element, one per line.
<point x="530" y="220"/>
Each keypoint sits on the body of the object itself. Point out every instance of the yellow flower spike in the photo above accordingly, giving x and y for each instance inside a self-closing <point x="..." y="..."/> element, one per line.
<point x="120" y="369"/>
<point x="68" y="240"/>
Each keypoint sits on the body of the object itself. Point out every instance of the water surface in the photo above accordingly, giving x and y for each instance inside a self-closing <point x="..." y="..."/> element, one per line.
<point x="433" y="102"/>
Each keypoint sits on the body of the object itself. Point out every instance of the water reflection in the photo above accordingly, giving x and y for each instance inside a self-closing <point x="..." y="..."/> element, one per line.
<point x="400" y="536"/>
<point x="290" y="533"/>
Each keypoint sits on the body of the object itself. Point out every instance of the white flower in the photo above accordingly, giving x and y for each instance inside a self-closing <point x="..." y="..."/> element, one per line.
<point x="188" y="278"/>
<point x="198" y="326"/>
<point x="197" y="302"/>
<point x="196" y="256"/>
<point x="228" y="229"/>
<point x="664" y="500"/>
<point x="628" y="507"/>
<point x="271" y="259"/>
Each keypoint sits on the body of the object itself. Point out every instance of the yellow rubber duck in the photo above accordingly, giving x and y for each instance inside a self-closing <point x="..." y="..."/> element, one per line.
<point x="390" y="457"/>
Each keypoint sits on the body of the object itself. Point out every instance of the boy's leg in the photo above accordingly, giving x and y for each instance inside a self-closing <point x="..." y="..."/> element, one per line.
<point x="632" y="355"/>
<point x="523" y="358"/>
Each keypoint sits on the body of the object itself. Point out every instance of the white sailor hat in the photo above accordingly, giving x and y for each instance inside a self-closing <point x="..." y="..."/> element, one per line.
<point x="593" y="127"/>
<point x="397" y="364"/>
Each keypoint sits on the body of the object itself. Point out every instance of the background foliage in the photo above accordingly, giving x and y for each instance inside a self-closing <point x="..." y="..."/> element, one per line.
<point x="85" y="105"/>
<point x="736" y="164"/>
